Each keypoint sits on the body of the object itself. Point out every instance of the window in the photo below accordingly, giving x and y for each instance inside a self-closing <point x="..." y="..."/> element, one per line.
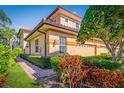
<point x="36" y="45"/>
<point x="66" y="20"/>
<point x="63" y="44"/>
<point x="77" y="25"/>
<point x="27" y="45"/>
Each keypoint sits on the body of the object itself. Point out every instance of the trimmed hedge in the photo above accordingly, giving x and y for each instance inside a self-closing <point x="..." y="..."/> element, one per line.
<point x="42" y="62"/>
<point x="55" y="64"/>
<point x="100" y="62"/>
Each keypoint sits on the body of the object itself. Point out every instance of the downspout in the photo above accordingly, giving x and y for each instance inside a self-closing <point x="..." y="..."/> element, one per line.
<point x="45" y="43"/>
<point x="29" y="47"/>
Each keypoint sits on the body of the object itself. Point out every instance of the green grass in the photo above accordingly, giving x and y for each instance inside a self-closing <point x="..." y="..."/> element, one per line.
<point x="18" y="79"/>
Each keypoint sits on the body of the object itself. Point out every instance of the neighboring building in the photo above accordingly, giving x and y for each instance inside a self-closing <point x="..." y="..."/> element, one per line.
<point x="23" y="32"/>
<point x="58" y="34"/>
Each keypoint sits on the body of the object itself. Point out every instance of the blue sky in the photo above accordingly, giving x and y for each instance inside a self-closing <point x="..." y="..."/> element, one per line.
<point x="29" y="16"/>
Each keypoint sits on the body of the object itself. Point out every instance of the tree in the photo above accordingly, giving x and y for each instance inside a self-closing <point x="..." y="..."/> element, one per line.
<point x="107" y="24"/>
<point x="4" y="19"/>
<point x="10" y="35"/>
<point x="7" y="34"/>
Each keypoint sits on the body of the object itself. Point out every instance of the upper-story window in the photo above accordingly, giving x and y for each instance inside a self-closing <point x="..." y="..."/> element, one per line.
<point x="77" y="25"/>
<point x="37" y="45"/>
<point x="66" y="20"/>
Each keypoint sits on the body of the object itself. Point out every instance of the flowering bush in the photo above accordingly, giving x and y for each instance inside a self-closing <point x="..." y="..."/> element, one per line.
<point x="71" y="70"/>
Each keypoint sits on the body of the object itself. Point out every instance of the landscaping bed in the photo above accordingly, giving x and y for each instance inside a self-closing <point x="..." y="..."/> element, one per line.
<point x="77" y="72"/>
<point x="42" y="62"/>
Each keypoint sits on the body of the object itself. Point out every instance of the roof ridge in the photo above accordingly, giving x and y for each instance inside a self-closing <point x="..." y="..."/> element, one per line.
<point x="63" y="9"/>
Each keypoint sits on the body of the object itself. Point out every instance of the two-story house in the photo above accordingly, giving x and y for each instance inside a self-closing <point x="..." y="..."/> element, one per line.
<point x="58" y="34"/>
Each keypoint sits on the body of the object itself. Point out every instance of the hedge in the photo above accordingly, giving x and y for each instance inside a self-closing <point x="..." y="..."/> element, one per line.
<point x="42" y="62"/>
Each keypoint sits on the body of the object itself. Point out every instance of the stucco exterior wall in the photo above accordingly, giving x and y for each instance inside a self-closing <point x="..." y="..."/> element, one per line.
<point x="41" y="40"/>
<point x="72" y="47"/>
<point x="24" y="44"/>
<point x="70" y="22"/>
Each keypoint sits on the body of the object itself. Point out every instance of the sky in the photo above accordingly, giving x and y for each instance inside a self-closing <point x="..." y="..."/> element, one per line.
<point x="28" y="16"/>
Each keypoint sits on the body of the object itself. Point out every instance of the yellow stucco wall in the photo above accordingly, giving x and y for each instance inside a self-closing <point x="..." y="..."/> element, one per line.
<point x="72" y="47"/>
<point x="41" y="45"/>
<point x="23" y="43"/>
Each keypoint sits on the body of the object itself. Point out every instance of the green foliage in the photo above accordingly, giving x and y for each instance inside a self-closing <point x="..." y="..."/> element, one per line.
<point x="107" y="24"/>
<point x="25" y="56"/>
<point x="106" y="56"/>
<point x="107" y="64"/>
<point x="43" y="62"/>
<point x="16" y="52"/>
<point x="55" y="63"/>
<point x="122" y="60"/>
<point x="5" y="59"/>
<point x="4" y="19"/>
<point x="103" y="62"/>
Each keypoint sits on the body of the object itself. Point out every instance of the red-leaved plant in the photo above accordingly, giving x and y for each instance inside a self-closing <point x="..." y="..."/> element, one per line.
<point x="71" y="68"/>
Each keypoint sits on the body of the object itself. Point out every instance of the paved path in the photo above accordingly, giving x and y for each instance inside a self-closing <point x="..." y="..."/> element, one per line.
<point x="46" y="77"/>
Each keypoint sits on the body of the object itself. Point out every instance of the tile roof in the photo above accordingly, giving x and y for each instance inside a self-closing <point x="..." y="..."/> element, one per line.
<point x="54" y="23"/>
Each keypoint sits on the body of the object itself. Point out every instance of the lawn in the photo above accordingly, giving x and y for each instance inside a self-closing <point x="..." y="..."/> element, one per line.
<point x="19" y="79"/>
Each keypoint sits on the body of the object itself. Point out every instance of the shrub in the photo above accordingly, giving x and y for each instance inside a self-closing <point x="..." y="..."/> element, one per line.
<point x="45" y="61"/>
<point x="108" y="64"/>
<point x="24" y="56"/>
<point x="122" y="61"/>
<point x="103" y="63"/>
<point x="106" y="56"/>
<point x="103" y="78"/>
<point x="71" y="68"/>
<point x="55" y="64"/>
<point x="5" y="59"/>
<point x="16" y="52"/>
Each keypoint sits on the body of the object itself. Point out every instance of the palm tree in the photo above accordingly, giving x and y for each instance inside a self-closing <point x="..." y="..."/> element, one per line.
<point x="10" y="35"/>
<point x="4" y="19"/>
<point x="7" y="34"/>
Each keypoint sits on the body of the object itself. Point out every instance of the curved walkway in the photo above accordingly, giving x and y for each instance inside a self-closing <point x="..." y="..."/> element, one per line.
<point x="45" y="77"/>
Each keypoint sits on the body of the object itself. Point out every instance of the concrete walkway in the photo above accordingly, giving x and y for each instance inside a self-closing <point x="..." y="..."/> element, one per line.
<point x="45" y="77"/>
